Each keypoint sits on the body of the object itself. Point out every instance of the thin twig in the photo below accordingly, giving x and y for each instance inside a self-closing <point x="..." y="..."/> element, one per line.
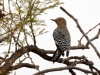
<point x="7" y="51"/>
<point x="4" y="38"/>
<point x="16" y="41"/>
<point x="31" y="26"/>
<point x="89" y="31"/>
<point x="36" y="67"/>
<point x="95" y="37"/>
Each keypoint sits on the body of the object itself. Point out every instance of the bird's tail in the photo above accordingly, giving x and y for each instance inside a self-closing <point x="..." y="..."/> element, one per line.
<point x="56" y="55"/>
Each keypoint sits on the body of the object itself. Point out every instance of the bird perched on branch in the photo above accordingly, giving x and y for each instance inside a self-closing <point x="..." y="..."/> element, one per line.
<point x="62" y="38"/>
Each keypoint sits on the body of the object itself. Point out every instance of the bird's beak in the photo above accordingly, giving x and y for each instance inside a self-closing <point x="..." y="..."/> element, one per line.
<point x="53" y="19"/>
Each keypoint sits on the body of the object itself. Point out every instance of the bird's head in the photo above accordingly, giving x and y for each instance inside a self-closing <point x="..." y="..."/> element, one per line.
<point x="60" y="21"/>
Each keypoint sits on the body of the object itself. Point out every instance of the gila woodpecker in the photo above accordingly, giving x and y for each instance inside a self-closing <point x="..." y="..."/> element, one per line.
<point x="62" y="38"/>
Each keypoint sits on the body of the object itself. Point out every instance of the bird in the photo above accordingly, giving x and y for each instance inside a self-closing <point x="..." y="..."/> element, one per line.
<point x="62" y="38"/>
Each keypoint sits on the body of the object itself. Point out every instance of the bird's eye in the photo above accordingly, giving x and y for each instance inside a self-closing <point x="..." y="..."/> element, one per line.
<point x="59" y="20"/>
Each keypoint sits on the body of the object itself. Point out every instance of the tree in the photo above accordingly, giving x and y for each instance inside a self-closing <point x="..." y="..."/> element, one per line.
<point x="18" y="25"/>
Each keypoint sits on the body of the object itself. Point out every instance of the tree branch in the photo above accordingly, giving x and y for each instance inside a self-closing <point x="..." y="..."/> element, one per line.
<point x="65" y="68"/>
<point x="71" y="48"/>
<point x="89" y="31"/>
<point x="8" y="62"/>
<point x="76" y="21"/>
<point x="23" y="65"/>
<point x="95" y="37"/>
<point x="42" y="53"/>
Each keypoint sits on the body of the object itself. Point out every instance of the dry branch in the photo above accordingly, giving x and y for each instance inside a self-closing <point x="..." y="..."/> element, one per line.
<point x="42" y="53"/>
<point x="95" y="37"/>
<point x="89" y="31"/>
<point x="71" y="48"/>
<point x="78" y="25"/>
<point x="65" y="68"/>
<point x="8" y="62"/>
<point x="24" y="65"/>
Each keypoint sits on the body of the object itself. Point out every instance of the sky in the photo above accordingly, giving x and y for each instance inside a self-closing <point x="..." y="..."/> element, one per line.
<point x="88" y="14"/>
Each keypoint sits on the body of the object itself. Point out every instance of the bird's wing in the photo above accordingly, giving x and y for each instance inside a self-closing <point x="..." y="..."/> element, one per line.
<point x="60" y="41"/>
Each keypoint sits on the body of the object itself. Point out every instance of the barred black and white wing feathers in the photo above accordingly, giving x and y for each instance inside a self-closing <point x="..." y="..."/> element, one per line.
<point x="62" y="42"/>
